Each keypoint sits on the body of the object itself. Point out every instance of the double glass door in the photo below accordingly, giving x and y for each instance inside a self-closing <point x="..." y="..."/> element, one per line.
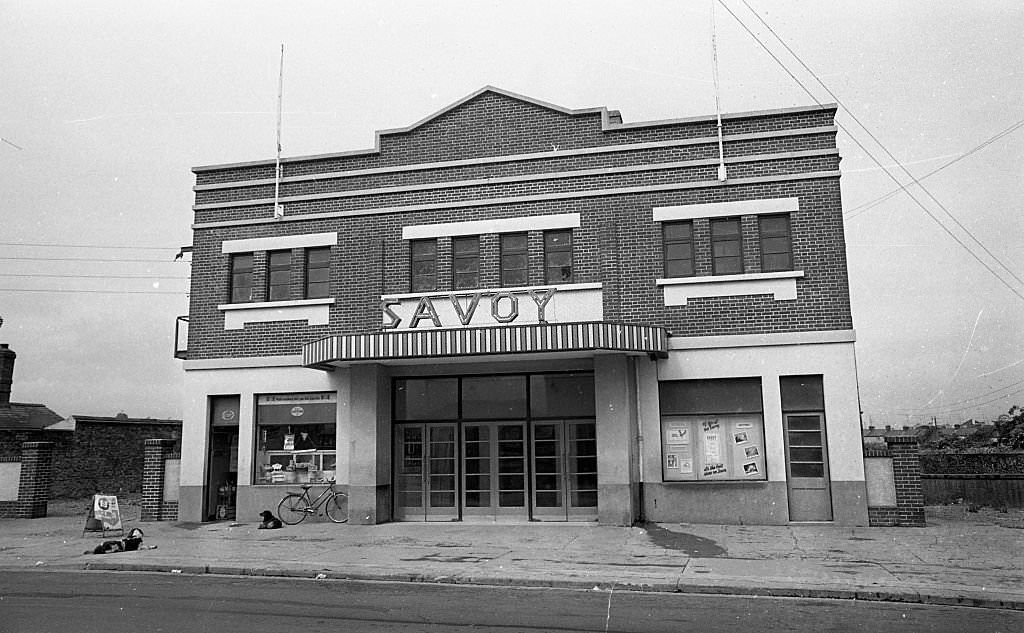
<point x="496" y="471"/>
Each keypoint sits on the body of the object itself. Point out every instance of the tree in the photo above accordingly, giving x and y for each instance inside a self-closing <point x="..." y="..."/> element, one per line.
<point x="1010" y="428"/>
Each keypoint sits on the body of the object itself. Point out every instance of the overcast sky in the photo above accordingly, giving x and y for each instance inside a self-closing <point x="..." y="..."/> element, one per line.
<point x="105" y="107"/>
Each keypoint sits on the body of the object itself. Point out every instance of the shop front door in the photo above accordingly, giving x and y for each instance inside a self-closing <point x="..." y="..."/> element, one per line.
<point x="425" y="473"/>
<point x="810" y="497"/>
<point x="494" y="471"/>
<point x="564" y="467"/>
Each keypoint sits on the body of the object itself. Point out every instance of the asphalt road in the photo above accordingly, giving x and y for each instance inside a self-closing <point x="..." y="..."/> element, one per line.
<point x="47" y="601"/>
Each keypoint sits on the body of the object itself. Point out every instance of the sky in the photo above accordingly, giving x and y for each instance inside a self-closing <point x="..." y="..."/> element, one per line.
<point x="106" y="106"/>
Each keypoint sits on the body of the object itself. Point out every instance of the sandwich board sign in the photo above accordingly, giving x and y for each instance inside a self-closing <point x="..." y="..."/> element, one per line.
<point x="103" y="515"/>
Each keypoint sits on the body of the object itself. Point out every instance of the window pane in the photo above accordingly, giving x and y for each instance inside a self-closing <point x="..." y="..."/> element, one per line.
<point x="775" y="245"/>
<point x="318" y="272"/>
<point x="513" y="277"/>
<point x="726" y="249"/>
<point x="558" y="256"/>
<point x="807" y="470"/>
<point x="773" y="263"/>
<point x="802" y="393"/>
<point x="725" y="228"/>
<point x="494" y="397"/>
<point x="423" y="265"/>
<point x="561" y="395"/>
<point x="731" y="395"/>
<point x="774" y="225"/>
<point x="426" y="399"/>
<point x="678" y="251"/>
<point x="513" y="259"/>
<point x="679" y="268"/>
<point x="677" y="231"/>
<point x="242" y="290"/>
<point x="728" y="265"/>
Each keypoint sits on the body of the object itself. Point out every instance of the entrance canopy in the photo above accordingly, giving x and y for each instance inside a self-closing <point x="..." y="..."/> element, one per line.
<point x="483" y="341"/>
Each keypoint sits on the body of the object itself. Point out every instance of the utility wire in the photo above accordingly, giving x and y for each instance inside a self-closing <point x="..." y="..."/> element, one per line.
<point x="161" y="277"/>
<point x="118" y="292"/>
<point x="88" y="259"/>
<point x="968" y="407"/>
<point x="899" y="163"/>
<point x="867" y="206"/>
<point x="62" y="245"/>
<point x="872" y="156"/>
<point x="978" y="397"/>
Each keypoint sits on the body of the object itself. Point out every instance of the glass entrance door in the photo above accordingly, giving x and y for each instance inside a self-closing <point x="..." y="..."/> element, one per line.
<point x="810" y="497"/>
<point x="425" y="474"/>
<point x="494" y="470"/>
<point x="564" y="470"/>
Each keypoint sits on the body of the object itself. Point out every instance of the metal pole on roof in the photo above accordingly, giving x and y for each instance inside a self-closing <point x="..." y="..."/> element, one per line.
<point x="718" y="103"/>
<point x="278" y="207"/>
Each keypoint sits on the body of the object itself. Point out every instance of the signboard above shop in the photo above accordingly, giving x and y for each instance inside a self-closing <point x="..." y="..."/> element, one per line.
<point x="501" y="306"/>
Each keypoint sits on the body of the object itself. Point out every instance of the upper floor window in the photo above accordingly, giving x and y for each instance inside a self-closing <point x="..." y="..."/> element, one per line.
<point x="726" y="246"/>
<point x="318" y="273"/>
<point x="558" y="257"/>
<point x="514" y="257"/>
<point x="423" y="268"/>
<point x="776" y="243"/>
<point x="279" y="275"/>
<point x="242" y="287"/>
<point x="677" y="240"/>
<point x="466" y="262"/>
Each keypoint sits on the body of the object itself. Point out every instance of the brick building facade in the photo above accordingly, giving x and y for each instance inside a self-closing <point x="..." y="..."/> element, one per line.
<point x="512" y="311"/>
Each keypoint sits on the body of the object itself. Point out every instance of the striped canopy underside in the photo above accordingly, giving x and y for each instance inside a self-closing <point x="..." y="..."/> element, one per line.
<point x="513" y="339"/>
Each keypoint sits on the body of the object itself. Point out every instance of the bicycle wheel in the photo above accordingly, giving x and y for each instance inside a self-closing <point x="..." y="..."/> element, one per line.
<point x="292" y="509"/>
<point x="336" y="508"/>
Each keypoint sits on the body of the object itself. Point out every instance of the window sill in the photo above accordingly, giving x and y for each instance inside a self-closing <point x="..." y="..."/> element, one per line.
<point x="313" y="311"/>
<point x="781" y="285"/>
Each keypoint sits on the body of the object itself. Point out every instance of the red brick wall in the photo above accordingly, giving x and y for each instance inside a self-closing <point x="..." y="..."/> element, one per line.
<point x="618" y="244"/>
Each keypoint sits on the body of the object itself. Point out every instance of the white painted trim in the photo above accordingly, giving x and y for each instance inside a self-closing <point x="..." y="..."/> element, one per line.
<point x="276" y="304"/>
<point x="726" y="209"/>
<point x="496" y="225"/>
<point x="762" y="340"/>
<point x="281" y="242"/>
<point x="781" y="274"/>
<point x="313" y="311"/>
<point x="566" y="195"/>
<point x="512" y="158"/>
<point x="463" y="293"/>
<point x="479" y="182"/>
<point x="781" y="285"/>
<point x="290" y="360"/>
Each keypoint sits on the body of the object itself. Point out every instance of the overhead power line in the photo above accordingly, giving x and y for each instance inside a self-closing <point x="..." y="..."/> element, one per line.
<point x="160" y="277"/>
<point x="112" y="246"/>
<point x="966" y="400"/>
<point x="867" y="206"/>
<point x="88" y="259"/>
<point x="116" y="292"/>
<point x="870" y="154"/>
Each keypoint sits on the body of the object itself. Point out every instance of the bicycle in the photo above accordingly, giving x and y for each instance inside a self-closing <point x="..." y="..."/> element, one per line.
<point x="295" y="506"/>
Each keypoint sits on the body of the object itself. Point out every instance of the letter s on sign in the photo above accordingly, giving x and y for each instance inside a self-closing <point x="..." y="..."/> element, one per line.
<point x="395" y="319"/>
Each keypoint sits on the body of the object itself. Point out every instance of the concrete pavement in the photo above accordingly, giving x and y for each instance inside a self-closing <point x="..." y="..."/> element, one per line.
<point x="949" y="562"/>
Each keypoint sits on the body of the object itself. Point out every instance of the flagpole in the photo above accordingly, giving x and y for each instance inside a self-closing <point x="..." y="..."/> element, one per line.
<point x="279" y="208"/>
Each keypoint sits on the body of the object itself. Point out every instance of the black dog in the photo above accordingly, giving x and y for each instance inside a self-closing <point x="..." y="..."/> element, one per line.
<point x="270" y="522"/>
<point x="132" y="543"/>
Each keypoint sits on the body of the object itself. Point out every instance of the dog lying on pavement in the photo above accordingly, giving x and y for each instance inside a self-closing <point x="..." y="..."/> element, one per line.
<point x="131" y="543"/>
<point x="269" y="521"/>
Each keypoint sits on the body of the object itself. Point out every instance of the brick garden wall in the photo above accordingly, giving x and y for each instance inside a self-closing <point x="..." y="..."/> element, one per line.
<point x="106" y="457"/>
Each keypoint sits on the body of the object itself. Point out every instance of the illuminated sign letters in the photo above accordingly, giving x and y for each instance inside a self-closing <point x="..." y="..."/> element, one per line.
<point x="505" y="308"/>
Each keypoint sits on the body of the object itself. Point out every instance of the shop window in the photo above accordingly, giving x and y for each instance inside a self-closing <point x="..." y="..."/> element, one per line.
<point x="494" y="397"/>
<point x="726" y="247"/>
<point x="514" y="260"/>
<point x="279" y="275"/>
<point x="776" y="243"/>
<point x="295" y="438"/>
<point x="426" y="399"/>
<point x="712" y="430"/>
<point x="677" y="242"/>
<point x="423" y="265"/>
<point x="318" y="273"/>
<point x="562" y="395"/>
<point x="558" y="257"/>
<point x="466" y="262"/>
<point x="242" y="286"/>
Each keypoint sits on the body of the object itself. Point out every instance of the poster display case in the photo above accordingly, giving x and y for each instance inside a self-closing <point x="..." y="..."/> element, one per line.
<point x="713" y="448"/>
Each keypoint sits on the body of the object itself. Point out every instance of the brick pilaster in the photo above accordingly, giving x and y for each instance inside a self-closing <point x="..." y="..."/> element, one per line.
<point x="906" y="470"/>
<point x="153" y="478"/>
<point x="34" y="483"/>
